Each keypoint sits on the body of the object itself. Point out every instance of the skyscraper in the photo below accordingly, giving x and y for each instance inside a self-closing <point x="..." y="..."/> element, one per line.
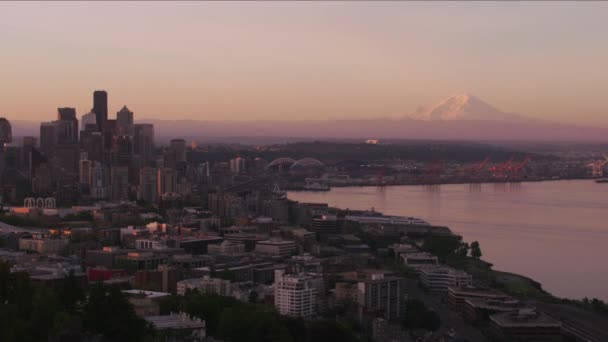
<point x="119" y="176"/>
<point x="167" y="181"/>
<point x="48" y="138"/>
<point x="148" y="185"/>
<point x="68" y="125"/>
<point x="143" y="144"/>
<point x="124" y="121"/>
<point x="88" y="119"/>
<point x="178" y="146"/>
<point x="100" y="107"/>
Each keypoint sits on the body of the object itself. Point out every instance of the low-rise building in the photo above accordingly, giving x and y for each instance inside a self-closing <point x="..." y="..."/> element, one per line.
<point x="525" y="325"/>
<point x="479" y="310"/>
<point x="205" y="285"/>
<point x="180" y="324"/>
<point x="458" y="295"/>
<point x="150" y="244"/>
<point x="226" y="248"/>
<point x="145" y="303"/>
<point x="419" y="260"/>
<point x="43" y="245"/>
<point x="141" y="260"/>
<point x="441" y="277"/>
<point x="276" y="247"/>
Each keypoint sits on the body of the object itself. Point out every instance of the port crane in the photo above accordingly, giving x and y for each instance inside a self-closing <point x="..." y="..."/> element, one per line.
<point x="500" y="169"/>
<point x="515" y="169"/>
<point x="475" y="168"/>
<point x="597" y="167"/>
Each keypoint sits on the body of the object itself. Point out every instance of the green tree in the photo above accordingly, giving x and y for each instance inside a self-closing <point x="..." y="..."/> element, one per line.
<point x="475" y="250"/>
<point x="109" y="313"/>
<point x="70" y="292"/>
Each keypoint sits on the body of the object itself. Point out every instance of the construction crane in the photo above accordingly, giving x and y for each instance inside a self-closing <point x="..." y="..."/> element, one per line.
<point x="597" y="167"/>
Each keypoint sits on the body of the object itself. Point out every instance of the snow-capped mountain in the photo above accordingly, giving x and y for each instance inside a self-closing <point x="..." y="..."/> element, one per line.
<point x="462" y="107"/>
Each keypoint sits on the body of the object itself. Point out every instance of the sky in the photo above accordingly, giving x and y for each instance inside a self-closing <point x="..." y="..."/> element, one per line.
<point x="303" y="60"/>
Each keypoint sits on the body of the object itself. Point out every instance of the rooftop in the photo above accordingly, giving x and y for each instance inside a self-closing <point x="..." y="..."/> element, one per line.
<point x="528" y="317"/>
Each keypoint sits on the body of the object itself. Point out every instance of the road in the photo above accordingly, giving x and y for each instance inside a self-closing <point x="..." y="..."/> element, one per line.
<point x="7" y="228"/>
<point x="449" y="318"/>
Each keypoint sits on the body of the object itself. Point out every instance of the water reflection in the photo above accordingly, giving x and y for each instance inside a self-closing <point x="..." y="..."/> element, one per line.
<point x="524" y="228"/>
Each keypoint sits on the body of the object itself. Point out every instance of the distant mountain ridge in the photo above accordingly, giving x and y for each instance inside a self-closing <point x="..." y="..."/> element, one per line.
<point x="459" y="117"/>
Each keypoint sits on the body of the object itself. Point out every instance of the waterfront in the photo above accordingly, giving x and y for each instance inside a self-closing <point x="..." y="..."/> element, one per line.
<point x="553" y="232"/>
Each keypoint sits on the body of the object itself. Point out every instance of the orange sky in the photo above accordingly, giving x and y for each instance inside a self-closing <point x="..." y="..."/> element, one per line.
<point x="308" y="60"/>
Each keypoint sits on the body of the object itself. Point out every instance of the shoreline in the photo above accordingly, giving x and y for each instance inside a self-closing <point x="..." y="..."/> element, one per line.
<point x="371" y="184"/>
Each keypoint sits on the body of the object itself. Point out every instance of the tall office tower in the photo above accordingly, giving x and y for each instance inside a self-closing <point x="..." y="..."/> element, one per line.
<point x="167" y="181"/>
<point x="48" y="138"/>
<point x="294" y="294"/>
<point x="120" y="183"/>
<point x="122" y="150"/>
<point x="237" y="165"/>
<point x="88" y="119"/>
<point x="6" y="135"/>
<point x="124" y="121"/>
<point x="97" y="181"/>
<point x="42" y="181"/>
<point x="69" y="125"/>
<point x="100" y="107"/>
<point x="108" y="131"/>
<point x="84" y="172"/>
<point x="91" y="142"/>
<point x="66" y="157"/>
<point x="178" y="146"/>
<point x="29" y="141"/>
<point x="148" y="185"/>
<point x="29" y="145"/>
<point x="143" y="143"/>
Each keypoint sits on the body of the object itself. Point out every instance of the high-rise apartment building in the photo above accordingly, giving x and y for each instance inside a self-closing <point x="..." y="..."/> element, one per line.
<point x="382" y="294"/>
<point x="295" y="294"/>
<point x="237" y="165"/>
<point x="100" y="107"/>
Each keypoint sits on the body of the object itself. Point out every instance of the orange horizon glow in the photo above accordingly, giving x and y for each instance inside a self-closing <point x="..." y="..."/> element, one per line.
<point x="303" y="60"/>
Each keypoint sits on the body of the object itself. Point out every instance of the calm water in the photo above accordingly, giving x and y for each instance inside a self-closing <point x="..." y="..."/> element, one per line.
<point x="554" y="232"/>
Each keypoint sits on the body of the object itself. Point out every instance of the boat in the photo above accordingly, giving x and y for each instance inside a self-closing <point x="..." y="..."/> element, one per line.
<point x="316" y="187"/>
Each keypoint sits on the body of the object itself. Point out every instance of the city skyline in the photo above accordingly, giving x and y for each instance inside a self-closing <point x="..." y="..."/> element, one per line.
<point x="298" y="61"/>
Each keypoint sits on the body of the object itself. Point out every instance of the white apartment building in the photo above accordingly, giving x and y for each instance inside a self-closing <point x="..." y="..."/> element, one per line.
<point x="295" y="295"/>
<point x="441" y="277"/>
